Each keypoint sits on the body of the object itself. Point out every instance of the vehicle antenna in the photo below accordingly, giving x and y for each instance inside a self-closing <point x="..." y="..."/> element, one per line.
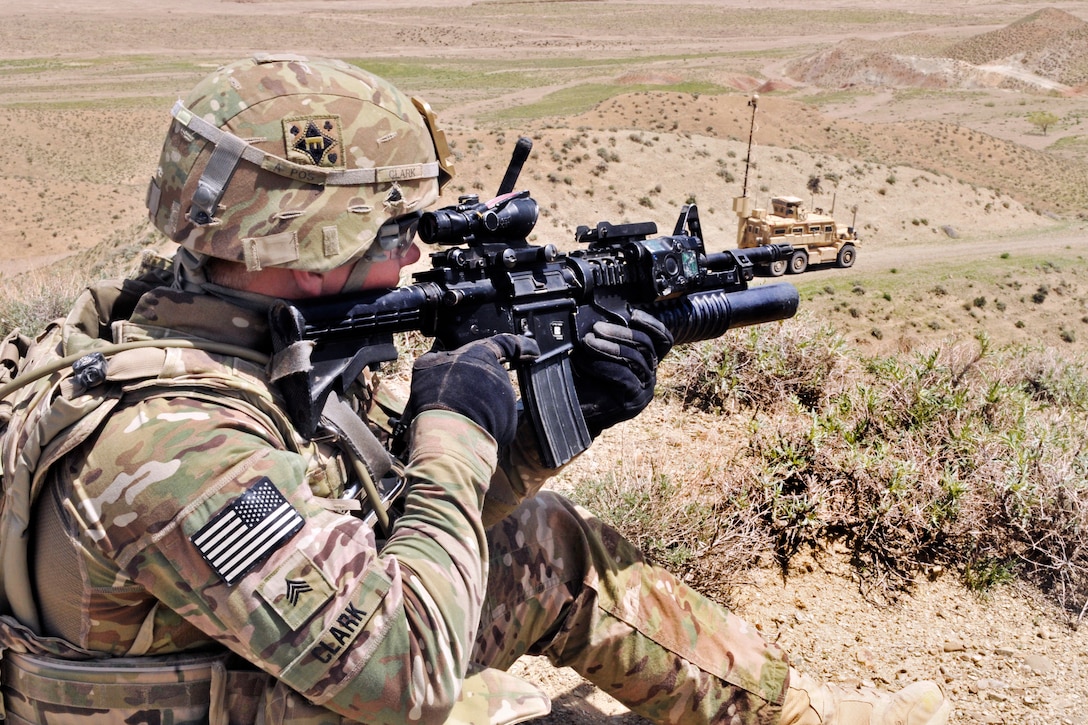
<point x="752" y="102"/>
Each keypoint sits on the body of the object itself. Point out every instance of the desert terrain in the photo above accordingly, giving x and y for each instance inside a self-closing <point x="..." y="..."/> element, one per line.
<point x="915" y="116"/>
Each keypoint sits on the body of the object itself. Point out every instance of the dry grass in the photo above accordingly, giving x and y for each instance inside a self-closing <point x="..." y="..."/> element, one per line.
<point x="40" y="296"/>
<point x="1048" y="42"/>
<point x="958" y="457"/>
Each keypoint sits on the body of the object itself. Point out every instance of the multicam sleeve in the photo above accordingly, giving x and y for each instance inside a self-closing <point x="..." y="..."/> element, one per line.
<point x="195" y="505"/>
<point x="520" y="475"/>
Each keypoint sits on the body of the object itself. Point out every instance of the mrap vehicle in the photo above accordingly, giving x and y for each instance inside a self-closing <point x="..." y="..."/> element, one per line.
<point x="816" y="237"/>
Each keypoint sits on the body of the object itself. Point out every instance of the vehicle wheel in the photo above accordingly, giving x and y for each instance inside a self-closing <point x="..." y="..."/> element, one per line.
<point x="798" y="263"/>
<point x="847" y="255"/>
<point x="777" y="269"/>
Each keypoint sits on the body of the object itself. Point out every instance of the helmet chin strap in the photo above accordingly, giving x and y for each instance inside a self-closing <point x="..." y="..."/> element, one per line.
<point x="190" y="274"/>
<point x="393" y="241"/>
<point x="359" y="273"/>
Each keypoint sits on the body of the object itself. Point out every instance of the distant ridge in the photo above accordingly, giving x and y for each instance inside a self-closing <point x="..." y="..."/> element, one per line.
<point x="1050" y="43"/>
<point x="1044" y="51"/>
<point x="1030" y="34"/>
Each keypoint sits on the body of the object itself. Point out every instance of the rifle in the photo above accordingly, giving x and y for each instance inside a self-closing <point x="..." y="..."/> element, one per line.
<point x="490" y="280"/>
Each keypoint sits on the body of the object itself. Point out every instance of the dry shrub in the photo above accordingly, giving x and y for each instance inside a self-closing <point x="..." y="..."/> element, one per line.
<point x="1049" y="519"/>
<point x="1051" y="378"/>
<point x="959" y="458"/>
<point x="758" y="367"/>
<point x="30" y="300"/>
<point x="703" y="532"/>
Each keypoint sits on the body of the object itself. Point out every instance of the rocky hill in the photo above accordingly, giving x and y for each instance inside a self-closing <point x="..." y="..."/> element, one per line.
<point x="1049" y="43"/>
<point x="1044" y="51"/>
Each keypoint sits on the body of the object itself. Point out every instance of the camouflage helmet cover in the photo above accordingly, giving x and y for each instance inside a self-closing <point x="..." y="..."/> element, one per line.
<point x="282" y="160"/>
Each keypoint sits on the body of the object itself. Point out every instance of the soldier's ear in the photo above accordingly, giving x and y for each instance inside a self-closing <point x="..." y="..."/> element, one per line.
<point x="308" y="284"/>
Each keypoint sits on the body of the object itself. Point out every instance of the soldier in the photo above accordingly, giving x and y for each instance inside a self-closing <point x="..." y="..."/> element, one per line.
<point x="173" y="547"/>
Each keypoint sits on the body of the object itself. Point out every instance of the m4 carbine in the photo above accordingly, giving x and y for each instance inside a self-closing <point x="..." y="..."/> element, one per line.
<point x="489" y="279"/>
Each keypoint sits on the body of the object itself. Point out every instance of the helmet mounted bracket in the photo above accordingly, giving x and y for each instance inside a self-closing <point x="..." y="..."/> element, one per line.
<point x="213" y="182"/>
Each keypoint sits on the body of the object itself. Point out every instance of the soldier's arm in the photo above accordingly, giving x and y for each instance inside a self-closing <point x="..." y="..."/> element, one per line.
<point x="375" y="636"/>
<point x="520" y="473"/>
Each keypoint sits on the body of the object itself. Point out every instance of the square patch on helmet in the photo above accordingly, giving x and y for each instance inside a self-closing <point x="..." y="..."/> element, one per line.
<point x="314" y="140"/>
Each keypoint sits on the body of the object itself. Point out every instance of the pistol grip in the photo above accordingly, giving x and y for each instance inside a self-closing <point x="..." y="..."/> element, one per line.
<point x="547" y="389"/>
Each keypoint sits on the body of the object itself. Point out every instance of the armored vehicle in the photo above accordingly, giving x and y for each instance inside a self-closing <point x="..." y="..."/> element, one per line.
<point x="816" y="237"/>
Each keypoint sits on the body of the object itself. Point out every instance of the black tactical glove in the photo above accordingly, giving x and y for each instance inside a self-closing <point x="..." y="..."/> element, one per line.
<point x="615" y="369"/>
<point x="472" y="381"/>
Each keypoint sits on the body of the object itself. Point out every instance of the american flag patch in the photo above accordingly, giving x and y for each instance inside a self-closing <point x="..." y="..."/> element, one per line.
<point x="247" y="530"/>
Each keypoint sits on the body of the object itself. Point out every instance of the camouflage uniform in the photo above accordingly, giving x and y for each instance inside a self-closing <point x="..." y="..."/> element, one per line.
<point x="370" y="631"/>
<point x="182" y="516"/>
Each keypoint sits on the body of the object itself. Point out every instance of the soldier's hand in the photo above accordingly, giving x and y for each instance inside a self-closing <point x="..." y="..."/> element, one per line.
<point x="472" y="381"/>
<point x="615" y="369"/>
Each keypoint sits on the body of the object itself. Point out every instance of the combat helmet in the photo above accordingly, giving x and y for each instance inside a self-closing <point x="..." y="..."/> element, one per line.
<point x="286" y="161"/>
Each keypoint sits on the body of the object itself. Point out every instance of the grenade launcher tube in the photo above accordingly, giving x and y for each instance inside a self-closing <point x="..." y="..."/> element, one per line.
<point x="707" y="315"/>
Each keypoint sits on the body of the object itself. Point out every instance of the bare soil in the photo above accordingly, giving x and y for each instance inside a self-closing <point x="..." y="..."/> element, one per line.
<point x="965" y="208"/>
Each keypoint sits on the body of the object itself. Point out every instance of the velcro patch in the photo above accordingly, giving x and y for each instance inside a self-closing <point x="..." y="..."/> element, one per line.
<point x="247" y="530"/>
<point x="314" y="141"/>
<point x="296" y="590"/>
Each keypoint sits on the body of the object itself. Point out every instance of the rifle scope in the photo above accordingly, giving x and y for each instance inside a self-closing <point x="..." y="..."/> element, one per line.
<point x="507" y="217"/>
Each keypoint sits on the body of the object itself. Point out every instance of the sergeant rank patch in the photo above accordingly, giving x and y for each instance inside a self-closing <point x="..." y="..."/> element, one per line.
<point x="314" y="140"/>
<point x="247" y="530"/>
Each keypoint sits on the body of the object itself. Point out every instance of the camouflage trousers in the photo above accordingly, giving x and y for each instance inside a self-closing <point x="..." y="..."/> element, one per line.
<point x="564" y="585"/>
